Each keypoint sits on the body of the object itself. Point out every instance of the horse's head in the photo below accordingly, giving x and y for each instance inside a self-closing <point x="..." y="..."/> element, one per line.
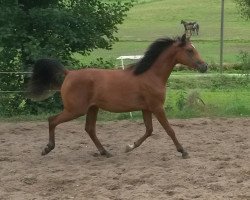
<point x="189" y="56"/>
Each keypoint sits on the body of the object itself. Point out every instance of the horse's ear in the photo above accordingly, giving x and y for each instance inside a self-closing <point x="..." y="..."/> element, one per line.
<point x="183" y="38"/>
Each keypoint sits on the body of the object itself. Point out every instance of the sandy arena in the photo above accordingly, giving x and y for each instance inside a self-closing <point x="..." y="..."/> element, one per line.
<point x="218" y="167"/>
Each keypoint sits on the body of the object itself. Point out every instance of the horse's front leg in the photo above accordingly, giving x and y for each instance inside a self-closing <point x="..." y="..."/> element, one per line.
<point x="147" y="118"/>
<point x="161" y="117"/>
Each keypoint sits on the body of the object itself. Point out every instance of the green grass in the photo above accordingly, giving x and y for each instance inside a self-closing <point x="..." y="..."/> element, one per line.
<point x="217" y="104"/>
<point x="208" y="50"/>
<point x="227" y="96"/>
<point x="149" y="20"/>
<point x="154" y="19"/>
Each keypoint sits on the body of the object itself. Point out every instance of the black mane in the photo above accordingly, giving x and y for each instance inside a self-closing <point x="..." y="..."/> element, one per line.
<point x="154" y="50"/>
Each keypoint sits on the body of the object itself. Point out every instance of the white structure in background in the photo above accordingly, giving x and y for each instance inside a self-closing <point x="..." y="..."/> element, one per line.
<point x="133" y="57"/>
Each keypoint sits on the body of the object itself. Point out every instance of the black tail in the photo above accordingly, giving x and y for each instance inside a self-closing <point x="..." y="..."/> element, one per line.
<point x="47" y="76"/>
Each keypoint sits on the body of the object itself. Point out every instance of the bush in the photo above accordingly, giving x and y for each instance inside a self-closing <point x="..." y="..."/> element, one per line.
<point x="244" y="66"/>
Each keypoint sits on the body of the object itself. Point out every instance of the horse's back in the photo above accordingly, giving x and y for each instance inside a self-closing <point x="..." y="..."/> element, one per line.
<point x="97" y="77"/>
<point x="86" y="80"/>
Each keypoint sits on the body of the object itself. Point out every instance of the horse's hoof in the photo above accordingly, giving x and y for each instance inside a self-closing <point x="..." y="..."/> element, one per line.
<point x="185" y="155"/>
<point x="129" y="148"/>
<point x="107" y="154"/>
<point x="47" y="149"/>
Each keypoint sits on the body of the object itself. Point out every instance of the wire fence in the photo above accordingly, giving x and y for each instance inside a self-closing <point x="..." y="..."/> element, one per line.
<point x="184" y="75"/>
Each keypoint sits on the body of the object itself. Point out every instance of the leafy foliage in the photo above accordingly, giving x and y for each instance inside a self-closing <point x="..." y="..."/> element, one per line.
<point x="181" y="100"/>
<point x="244" y="58"/>
<point x="31" y="29"/>
<point x="244" y="6"/>
<point x="58" y="28"/>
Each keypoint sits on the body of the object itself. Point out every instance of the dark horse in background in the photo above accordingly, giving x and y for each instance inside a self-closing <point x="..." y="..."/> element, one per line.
<point x="191" y="27"/>
<point x="142" y="86"/>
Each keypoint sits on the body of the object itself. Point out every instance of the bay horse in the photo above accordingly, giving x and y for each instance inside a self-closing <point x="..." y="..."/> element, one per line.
<point x="196" y="28"/>
<point x="190" y="27"/>
<point x="141" y="86"/>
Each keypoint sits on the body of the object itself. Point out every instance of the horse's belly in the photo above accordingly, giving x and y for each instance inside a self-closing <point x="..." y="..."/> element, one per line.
<point x="120" y="104"/>
<point x="118" y="109"/>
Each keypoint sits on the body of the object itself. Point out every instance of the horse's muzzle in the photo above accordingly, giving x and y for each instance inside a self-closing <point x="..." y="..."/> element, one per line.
<point x="202" y="67"/>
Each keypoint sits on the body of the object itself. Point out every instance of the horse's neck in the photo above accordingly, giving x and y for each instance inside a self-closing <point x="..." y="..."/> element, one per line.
<point x="164" y="65"/>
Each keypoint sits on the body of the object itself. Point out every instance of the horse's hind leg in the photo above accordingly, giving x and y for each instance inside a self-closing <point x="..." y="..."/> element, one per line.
<point x="53" y="122"/>
<point x="90" y="128"/>
<point x="147" y="117"/>
<point x="160" y="115"/>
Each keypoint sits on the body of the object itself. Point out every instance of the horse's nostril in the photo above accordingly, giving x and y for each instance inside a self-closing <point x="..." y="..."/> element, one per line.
<point x="202" y="67"/>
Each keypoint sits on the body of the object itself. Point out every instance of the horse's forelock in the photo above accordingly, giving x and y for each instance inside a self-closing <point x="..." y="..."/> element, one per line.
<point x="181" y="41"/>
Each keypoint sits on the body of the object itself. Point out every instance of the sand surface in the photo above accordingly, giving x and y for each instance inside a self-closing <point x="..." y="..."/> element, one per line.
<point x="218" y="167"/>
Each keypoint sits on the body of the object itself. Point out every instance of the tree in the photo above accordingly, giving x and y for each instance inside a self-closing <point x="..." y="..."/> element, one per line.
<point x="58" y="28"/>
<point x="244" y="6"/>
<point x="31" y="29"/>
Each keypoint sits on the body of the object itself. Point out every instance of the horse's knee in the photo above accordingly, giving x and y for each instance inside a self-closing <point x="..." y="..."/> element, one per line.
<point x="53" y="121"/>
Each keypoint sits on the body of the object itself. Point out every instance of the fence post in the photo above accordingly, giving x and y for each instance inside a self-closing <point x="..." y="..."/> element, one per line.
<point x="221" y="36"/>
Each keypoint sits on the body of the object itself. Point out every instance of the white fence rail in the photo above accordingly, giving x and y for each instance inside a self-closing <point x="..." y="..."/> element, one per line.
<point x="132" y="57"/>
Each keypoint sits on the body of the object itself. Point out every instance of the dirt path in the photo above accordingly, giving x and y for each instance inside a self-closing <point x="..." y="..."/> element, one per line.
<point x="219" y="166"/>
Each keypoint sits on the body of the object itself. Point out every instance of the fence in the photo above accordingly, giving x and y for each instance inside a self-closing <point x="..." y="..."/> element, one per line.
<point x="226" y="95"/>
<point x="122" y="58"/>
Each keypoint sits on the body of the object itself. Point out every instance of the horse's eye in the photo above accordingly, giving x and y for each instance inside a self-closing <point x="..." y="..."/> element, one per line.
<point x="190" y="51"/>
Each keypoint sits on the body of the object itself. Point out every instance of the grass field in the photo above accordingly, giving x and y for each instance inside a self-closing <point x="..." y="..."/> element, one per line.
<point x="152" y="19"/>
